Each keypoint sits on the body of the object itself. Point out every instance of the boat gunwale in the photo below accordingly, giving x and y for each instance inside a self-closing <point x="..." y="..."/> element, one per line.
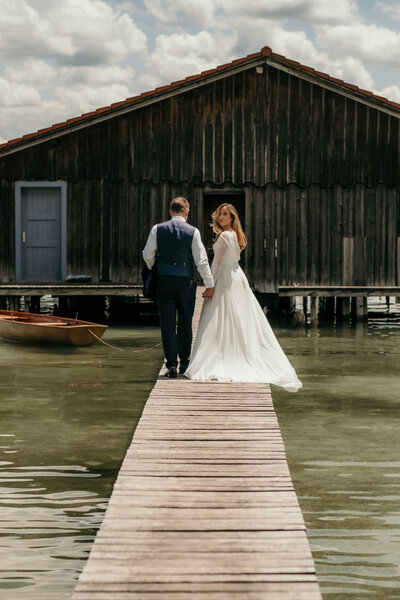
<point x="25" y="318"/>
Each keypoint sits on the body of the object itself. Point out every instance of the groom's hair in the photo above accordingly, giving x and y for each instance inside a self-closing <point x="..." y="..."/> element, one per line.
<point x="179" y="204"/>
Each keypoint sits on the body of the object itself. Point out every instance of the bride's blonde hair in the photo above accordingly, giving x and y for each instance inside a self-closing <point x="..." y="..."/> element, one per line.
<point x="236" y="225"/>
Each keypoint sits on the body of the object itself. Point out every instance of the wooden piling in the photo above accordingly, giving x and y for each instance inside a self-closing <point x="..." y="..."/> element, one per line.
<point x="313" y="310"/>
<point x="362" y="308"/>
<point x="32" y="304"/>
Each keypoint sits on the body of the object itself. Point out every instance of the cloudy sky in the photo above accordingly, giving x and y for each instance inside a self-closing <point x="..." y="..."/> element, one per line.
<point x="61" y="58"/>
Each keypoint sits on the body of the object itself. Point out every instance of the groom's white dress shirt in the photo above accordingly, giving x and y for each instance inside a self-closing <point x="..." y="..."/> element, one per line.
<point x="198" y="252"/>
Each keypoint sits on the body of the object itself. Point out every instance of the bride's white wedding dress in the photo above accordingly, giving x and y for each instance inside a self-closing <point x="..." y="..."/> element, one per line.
<point x="234" y="340"/>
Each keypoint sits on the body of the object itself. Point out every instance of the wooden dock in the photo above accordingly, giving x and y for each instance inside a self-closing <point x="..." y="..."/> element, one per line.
<point x="204" y="506"/>
<point x="69" y="289"/>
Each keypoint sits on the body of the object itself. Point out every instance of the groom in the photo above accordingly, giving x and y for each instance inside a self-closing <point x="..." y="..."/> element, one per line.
<point x="178" y="249"/>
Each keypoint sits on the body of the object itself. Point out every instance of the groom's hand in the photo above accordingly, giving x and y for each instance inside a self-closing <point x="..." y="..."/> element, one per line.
<point x="208" y="293"/>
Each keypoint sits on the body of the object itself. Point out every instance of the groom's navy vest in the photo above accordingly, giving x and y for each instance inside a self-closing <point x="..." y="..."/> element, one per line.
<point x="174" y="249"/>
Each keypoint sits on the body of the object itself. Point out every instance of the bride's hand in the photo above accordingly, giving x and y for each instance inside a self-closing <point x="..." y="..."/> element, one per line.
<point x="208" y="293"/>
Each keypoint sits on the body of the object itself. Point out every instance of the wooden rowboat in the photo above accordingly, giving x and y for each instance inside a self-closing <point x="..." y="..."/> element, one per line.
<point x="43" y="329"/>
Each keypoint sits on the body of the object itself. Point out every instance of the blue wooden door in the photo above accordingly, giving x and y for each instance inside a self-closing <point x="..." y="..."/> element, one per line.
<point x="41" y="234"/>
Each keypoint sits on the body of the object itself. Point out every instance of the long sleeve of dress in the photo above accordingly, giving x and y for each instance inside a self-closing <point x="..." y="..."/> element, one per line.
<point x="220" y="249"/>
<point x="201" y="260"/>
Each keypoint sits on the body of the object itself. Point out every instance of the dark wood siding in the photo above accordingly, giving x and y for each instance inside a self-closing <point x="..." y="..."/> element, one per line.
<point x="320" y="173"/>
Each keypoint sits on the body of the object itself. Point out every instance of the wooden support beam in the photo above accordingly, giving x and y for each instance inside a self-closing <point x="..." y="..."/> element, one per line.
<point x="305" y="306"/>
<point x="362" y="308"/>
<point x="72" y="289"/>
<point x="339" y="309"/>
<point x="32" y="304"/>
<point x="346" y="309"/>
<point x="338" y="291"/>
<point x="313" y="310"/>
<point x="14" y="302"/>
<point x="330" y="308"/>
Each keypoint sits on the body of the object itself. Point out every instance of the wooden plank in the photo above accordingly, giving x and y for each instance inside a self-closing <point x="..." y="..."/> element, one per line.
<point x="186" y="591"/>
<point x="296" y="590"/>
<point x="153" y="523"/>
<point x="195" y="484"/>
<point x="339" y="290"/>
<point x="227" y="125"/>
<point x="72" y="289"/>
<point x="209" y="565"/>
<point x="204" y="505"/>
<point x="199" y="435"/>
<point x="398" y="261"/>
<point x="237" y="127"/>
<point x="205" y="499"/>
<point x="103" y="574"/>
<point x="249" y="115"/>
<point x="291" y="233"/>
<point x="348" y="260"/>
<point x="209" y="591"/>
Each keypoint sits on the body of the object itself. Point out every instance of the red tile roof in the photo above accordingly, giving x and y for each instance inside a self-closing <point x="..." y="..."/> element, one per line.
<point x="264" y="52"/>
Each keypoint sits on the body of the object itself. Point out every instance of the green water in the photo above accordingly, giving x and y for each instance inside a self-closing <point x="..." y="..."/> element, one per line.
<point x="342" y="439"/>
<point x="67" y="417"/>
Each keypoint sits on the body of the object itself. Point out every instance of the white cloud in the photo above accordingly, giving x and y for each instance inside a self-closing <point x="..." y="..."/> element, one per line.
<point x="368" y="43"/>
<point x="99" y="75"/>
<point x="75" y="52"/>
<point x="313" y="11"/>
<point x="35" y="72"/>
<point x="350" y="70"/>
<point x="238" y="28"/>
<point x="42" y="114"/>
<point x="247" y="36"/>
<point x="17" y="94"/>
<point x="392" y="92"/>
<point x="128" y="7"/>
<point x="23" y="106"/>
<point x="297" y="46"/>
<point x="393" y="10"/>
<point x="80" y="32"/>
<point x="199" y="13"/>
<point x="252" y="35"/>
<point x="204" y="13"/>
<point x="178" y="55"/>
<point x="81" y="99"/>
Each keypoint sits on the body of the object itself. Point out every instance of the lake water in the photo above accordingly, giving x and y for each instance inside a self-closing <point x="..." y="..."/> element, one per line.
<point x="67" y="417"/>
<point x="342" y="438"/>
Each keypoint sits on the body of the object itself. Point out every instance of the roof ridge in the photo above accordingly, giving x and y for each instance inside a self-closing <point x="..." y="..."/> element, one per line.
<point x="265" y="51"/>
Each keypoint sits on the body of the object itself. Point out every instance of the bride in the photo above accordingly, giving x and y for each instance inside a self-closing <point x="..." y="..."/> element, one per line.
<point x="234" y="340"/>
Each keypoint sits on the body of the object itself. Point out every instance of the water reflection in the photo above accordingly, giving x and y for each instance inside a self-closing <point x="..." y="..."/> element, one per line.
<point x="342" y="442"/>
<point x="67" y="417"/>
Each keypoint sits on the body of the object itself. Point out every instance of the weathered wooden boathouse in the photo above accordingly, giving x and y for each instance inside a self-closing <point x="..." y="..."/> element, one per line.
<point x="311" y="162"/>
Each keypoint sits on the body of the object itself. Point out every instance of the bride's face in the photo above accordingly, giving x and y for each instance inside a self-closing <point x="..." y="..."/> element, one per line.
<point x="224" y="218"/>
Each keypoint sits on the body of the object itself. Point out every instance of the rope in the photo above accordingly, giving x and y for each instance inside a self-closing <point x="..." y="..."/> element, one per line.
<point x="121" y="349"/>
<point x="105" y="343"/>
<point x="145" y="349"/>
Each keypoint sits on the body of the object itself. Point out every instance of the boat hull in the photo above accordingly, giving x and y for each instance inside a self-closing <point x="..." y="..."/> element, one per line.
<point x="33" y="328"/>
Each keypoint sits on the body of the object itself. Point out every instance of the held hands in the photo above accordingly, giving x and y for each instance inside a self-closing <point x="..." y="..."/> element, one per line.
<point x="208" y="293"/>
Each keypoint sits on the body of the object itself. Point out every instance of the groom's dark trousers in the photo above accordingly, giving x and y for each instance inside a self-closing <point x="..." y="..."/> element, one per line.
<point x="176" y="289"/>
<point x="176" y="298"/>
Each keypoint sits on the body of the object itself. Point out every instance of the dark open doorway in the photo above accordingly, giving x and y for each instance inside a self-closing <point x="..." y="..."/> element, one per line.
<point x="211" y="200"/>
